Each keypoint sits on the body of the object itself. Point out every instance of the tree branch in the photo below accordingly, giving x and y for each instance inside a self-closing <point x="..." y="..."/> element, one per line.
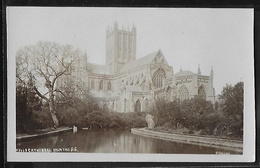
<point x="60" y="92"/>
<point x="39" y="94"/>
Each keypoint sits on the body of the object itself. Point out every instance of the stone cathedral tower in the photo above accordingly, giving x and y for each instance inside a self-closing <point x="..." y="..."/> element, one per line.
<point x="120" y="47"/>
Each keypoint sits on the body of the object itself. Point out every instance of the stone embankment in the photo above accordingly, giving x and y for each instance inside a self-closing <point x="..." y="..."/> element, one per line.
<point x="234" y="145"/>
<point x="25" y="137"/>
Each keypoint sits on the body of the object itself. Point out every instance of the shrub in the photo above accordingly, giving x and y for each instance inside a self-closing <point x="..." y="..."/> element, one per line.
<point x="42" y="119"/>
<point x="30" y="115"/>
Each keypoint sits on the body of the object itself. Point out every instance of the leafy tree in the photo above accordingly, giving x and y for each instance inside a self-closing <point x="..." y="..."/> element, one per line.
<point x="27" y="103"/>
<point x="198" y="115"/>
<point x="194" y="112"/>
<point x="233" y="100"/>
<point x="187" y="113"/>
<point x="75" y="112"/>
<point x="22" y="114"/>
<point x="190" y="113"/>
<point x="232" y="104"/>
<point x="40" y="66"/>
<point x="216" y="105"/>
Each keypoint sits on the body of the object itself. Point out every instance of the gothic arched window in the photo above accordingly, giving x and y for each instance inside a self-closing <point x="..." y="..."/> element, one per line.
<point x="119" y="41"/>
<point x="109" y="85"/>
<point x="158" y="78"/>
<point x="92" y="85"/>
<point x="183" y="93"/>
<point x="146" y="103"/>
<point x="137" y="106"/>
<point x="130" y="44"/>
<point x="101" y="85"/>
<point x="202" y="92"/>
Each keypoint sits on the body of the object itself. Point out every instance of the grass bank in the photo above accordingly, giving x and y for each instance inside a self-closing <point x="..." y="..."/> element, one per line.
<point x="186" y="131"/>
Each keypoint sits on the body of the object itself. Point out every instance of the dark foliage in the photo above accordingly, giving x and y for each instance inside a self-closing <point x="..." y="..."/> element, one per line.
<point x="199" y="117"/>
<point x="31" y="115"/>
<point x="86" y="113"/>
<point x="232" y="105"/>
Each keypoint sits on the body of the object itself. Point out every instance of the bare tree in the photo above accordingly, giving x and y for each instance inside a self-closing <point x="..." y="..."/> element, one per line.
<point x="40" y="66"/>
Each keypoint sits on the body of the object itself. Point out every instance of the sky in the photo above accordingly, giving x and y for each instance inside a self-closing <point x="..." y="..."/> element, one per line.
<point x="188" y="37"/>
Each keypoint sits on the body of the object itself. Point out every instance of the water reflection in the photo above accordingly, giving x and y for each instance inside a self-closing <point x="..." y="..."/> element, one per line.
<point x="116" y="141"/>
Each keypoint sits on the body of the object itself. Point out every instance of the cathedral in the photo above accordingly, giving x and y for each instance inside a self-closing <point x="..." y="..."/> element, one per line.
<point x="126" y="84"/>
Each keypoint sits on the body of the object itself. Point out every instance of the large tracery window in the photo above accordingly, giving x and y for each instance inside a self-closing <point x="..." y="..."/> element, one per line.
<point x="183" y="93"/>
<point x="202" y="92"/>
<point x="101" y="85"/>
<point x="158" y="78"/>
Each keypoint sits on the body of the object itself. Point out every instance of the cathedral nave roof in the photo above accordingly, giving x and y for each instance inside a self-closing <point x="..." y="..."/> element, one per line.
<point x="148" y="59"/>
<point x="99" y="69"/>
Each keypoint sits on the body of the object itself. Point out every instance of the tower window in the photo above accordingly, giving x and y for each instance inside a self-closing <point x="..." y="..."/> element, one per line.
<point x="124" y="42"/>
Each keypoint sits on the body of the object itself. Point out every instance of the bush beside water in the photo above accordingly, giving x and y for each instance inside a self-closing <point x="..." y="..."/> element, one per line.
<point x="81" y="113"/>
<point x="212" y="123"/>
<point x="86" y="114"/>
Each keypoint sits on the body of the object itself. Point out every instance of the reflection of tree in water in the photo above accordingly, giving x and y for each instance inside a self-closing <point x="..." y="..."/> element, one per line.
<point x="104" y="141"/>
<point x="118" y="142"/>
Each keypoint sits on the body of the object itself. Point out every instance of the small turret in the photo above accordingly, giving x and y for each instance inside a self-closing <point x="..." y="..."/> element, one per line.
<point x="211" y="72"/>
<point x="181" y="68"/>
<point x="133" y="29"/>
<point x="83" y="60"/>
<point x="211" y="76"/>
<point x="199" y="72"/>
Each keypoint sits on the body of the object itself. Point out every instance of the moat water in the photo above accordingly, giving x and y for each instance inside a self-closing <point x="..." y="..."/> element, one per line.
<point x="113" y="141"/>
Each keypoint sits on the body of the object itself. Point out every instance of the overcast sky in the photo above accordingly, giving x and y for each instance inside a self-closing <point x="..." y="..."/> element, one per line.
<point x="221" y="38"/>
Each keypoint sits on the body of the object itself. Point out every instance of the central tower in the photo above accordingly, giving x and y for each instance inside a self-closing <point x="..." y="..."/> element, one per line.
<point x="120" y="47"/>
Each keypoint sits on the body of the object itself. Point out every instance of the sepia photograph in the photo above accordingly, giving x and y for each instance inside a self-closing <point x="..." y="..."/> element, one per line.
<point x="130" y="84"/>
